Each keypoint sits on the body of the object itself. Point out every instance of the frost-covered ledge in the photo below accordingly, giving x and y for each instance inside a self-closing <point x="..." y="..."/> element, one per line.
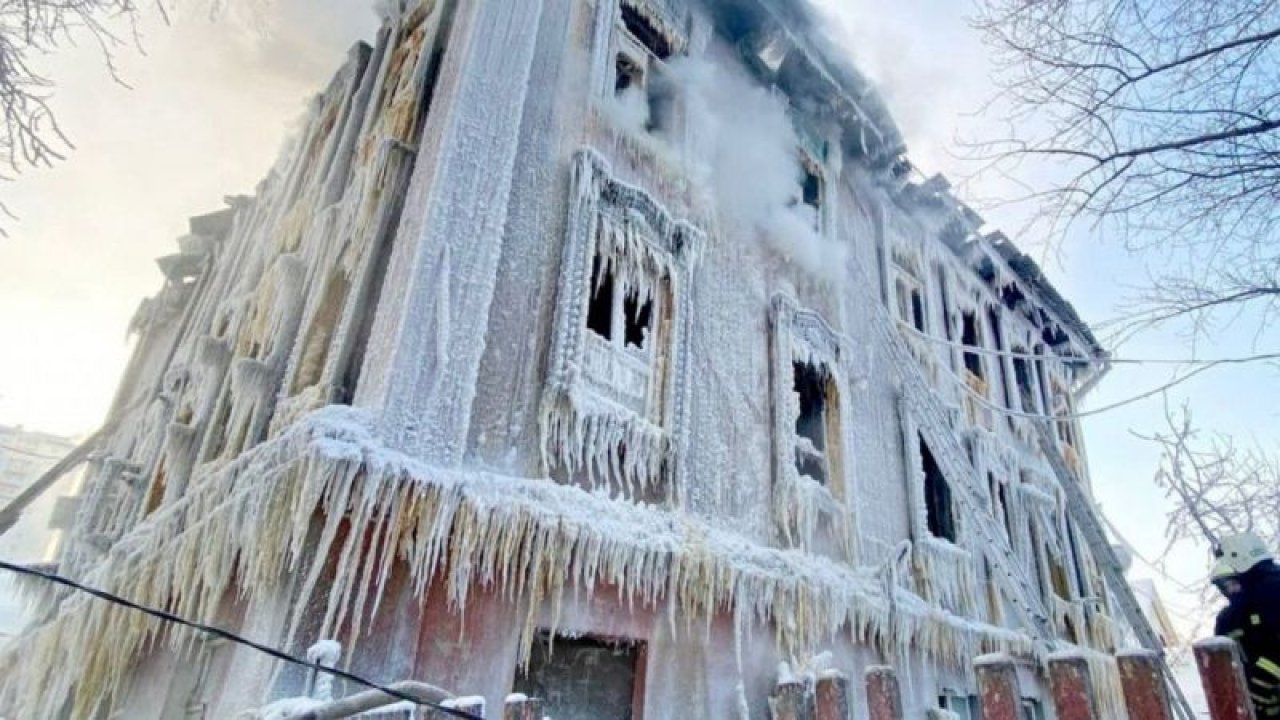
<point x="278" y="509"/>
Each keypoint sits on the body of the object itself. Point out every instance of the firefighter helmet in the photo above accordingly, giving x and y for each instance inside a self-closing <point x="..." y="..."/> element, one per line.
<point x="1241" y="551"/>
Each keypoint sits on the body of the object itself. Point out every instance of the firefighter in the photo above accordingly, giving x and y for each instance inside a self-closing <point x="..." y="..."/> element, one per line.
<point x="1245" y="572"/>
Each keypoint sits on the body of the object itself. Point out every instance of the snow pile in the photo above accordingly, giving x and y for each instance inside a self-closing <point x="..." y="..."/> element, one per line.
<point x="278" y="509"/>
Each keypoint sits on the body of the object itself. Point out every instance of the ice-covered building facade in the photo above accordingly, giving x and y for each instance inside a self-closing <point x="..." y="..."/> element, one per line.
<point x="599" y="349"/>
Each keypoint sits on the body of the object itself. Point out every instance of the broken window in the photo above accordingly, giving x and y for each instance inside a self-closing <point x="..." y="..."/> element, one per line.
<point x="811" y="188"/>
<point x="1022" y="376"/>
<point x="910" y="301"/>
<point x="618" y="314"/>
<point x="600" y="308"/>
<point x="585" y="678"/>
<point x="813" y="386"/>
<point x="1002" y="496"/>
<point x="937" y="497"/>
<point x="971" y="337"/>
<point x="627" y="75"/>
<point x="639" y="71"/>
<point x="993" y="317"/>
<point x="645" y="32"/>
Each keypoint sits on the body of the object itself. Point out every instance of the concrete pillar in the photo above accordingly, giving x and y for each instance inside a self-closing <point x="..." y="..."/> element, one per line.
<point x="998" y="690"/>
<point x="1072" y="689"/>
<point x="1145" y="694"/>
<point x="1222" y="675"/>
<point x="884" y="698"/>
<point x="519" y="707"/>
<point x="832" y="697"/>
<point x="791" y="700"/>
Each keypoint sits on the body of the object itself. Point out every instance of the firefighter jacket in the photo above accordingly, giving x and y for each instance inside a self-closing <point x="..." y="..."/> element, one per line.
<point x="1252" y="619"/>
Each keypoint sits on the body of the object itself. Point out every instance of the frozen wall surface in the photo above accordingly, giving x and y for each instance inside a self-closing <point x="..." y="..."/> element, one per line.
<point x="610" y="351"/>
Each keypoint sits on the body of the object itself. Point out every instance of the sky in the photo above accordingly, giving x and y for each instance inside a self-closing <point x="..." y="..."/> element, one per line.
<point x="210" y="103"/>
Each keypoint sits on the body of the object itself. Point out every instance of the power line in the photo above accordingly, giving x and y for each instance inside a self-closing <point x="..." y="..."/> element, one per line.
<point x="29" y="453"/>
<point x="230" y="636"/>
<point x="978" y="350"/>
<point x="985" y="402"/>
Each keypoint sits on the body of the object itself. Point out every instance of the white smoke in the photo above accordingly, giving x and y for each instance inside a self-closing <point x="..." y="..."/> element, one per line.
<point x="747" y="156"/>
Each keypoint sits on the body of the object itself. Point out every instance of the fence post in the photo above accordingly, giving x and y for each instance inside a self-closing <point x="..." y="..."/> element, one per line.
<point x="998" y="689"/>
<point x="832" y="697"/>
<point x="791" y="700"/>
<point x="884" y="698"/>
<point x="1072" y="688"/>
<point x="520" y="707"/>
<point x="1145" y="694"/>
<point x="1222" y="675"/>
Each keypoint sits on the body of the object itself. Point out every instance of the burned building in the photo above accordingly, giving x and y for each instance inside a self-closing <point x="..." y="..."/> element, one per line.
<point x="608" y="351"/>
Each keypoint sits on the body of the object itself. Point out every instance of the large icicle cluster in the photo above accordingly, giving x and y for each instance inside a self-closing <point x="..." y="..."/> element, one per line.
<point x="947" y="575"/>
<point x="278" y="509"/>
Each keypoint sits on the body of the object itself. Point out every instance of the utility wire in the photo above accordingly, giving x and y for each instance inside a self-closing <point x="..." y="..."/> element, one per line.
<point x="232" y="637"/>
<point x="29" y="453"/>
<point x="978" y="350"/>
<point x="985" y="402"/>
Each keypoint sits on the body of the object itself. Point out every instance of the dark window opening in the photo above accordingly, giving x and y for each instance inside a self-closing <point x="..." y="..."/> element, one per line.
<point x="972" y="360"/>
<point x="1022" y="376"/>
<point x="1037" y="561"/>
<point x="946" y="307"/>
<point x="638" y="319"/>
<point x="917" y="310"/>
<point x="627" y="75"/>
<point x="994" y="318"/>
<point x="1077" y="562"/>
<point x="644" y="31"/>
<point x="811" y="189"/>
<point x="1002" y="496"/>
<point x="937" y="497"/>
<point x="811" y="424"/>
<point x="584" y="678"/>
<point x="600" y="309"/>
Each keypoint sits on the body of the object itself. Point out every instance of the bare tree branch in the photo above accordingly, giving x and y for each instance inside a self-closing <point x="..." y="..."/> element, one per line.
<point x="1159" y="122"/>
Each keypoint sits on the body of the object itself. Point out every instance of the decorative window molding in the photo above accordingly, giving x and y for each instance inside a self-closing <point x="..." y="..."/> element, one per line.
<point x="616" y="405"/>
<point x="813" y="470"/>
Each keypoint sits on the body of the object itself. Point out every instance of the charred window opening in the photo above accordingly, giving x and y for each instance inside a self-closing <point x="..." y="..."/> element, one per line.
<point x="1002" y="496"/>
<point x="910" y="301"/>
<point x="627" y="75"/>
<point x="917" y="310"/>
<point x="970" y="338"/>
<point x="812" y="385"/>
<point x="937" y="497"/>
<point x="1038" y="560"/>
<point x="1022" y="376"/>
<point x="645" y="32"/>
<point x="600" y="305"/>
<point x="993" y="317"/>
<point x="638" y="69"/>
<point x="638" y="318"/>
<point x="811" y="188"/>
<point x="585" y="678"/>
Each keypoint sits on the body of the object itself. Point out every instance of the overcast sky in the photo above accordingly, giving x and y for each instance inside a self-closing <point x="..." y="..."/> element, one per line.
<point x="212" y="101"/>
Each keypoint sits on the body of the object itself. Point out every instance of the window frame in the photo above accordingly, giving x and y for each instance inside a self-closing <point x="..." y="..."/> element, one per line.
<point x="664" y="246"/>
<point x="801" y="336"/>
